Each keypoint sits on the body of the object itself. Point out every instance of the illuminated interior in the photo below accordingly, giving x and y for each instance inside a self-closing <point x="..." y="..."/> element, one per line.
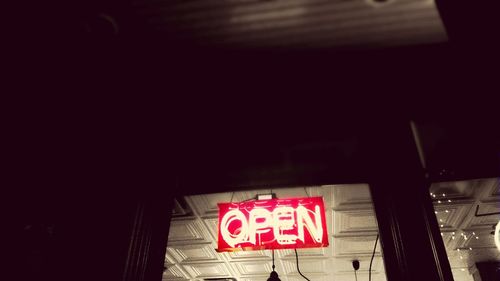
<point x="469" y="235"/>
<point x="351" y="225"/>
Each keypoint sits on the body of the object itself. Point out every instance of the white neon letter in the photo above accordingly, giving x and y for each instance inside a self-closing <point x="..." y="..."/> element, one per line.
<point x="241" y="234"/>
<point x="284" y="220"/>
<point x="259" y="220"/>
<point x="314" y="228"/>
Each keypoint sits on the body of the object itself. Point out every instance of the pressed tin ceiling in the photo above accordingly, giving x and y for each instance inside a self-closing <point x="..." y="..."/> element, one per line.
<point x="352" y="228"/>
<point x="295" y="23"/>
<point x="351" y="225"/>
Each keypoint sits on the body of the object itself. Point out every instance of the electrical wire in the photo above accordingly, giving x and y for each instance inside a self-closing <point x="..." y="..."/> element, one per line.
<point x="273" y="259"/>
<point x="355" y="275"/>
<point x="298" y="270"/>
<point x="373" y="255"/>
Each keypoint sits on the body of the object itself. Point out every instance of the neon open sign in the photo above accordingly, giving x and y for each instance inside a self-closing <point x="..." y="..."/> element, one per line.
<point x="272" y="224"/>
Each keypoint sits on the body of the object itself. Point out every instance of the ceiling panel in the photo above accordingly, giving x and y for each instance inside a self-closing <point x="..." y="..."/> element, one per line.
<point x="207" y="270"/>
<point x="354" y="222"/>
<point x="174" y="272"/>
<point x="484" y="221"/>
<point x="306" y="253"/>
<point x="206" y="205"/>
<point x="450" y="216"/>
<point x="350" y="197"/>
<point x="296" y="23"/>
<point x="467" y="238"/>
<point x="452" y="190"/>
<point x="352" y="227"/>
<point x="193" y="253"/>
<point x="315" y="277"/>
<point x="355" y="246"/>
<point x="250" y="255"/>
<point x="318" y="266"/>
<point x="193" y="238"/>
<point x="249" y="268"/>
<point x="187" y="231"/>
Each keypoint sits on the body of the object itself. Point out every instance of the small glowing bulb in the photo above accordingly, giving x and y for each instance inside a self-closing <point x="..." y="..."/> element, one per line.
<point x="449" y="200"/>
<point x="463" y="269"/>
<point x="447" y="211"/>
<point x="462" y="234"/>
<point x="470" y="249"/>
<point x="442" y="225"/>
<point x="458" y="250"/>
<point x="434" y="195"/>
<point x="453" y="233"/>
<point x="453" y="237"/>
<point x="439" y="201"/>
<point x="441" y="220"/>
<point x="444" y="195"/>
<point x="461" y="257"/>
<point x="435" y="212"/>
<point x="465" y="237"/>
<point x="477" y="237"/>
<point x="441" y="234"/>
<point x="473" y="233"/>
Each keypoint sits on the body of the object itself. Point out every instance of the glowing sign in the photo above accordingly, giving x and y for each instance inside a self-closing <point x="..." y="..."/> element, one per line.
<point x="272" y="224"/>
<point x="497" y="235"/>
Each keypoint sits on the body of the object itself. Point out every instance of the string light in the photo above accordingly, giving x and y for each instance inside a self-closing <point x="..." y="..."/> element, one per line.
<point x="439" y="201"/>
<point x="447" y="211"/>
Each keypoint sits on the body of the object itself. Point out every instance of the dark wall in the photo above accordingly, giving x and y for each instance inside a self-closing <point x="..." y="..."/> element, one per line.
<point x="100" y="123"/>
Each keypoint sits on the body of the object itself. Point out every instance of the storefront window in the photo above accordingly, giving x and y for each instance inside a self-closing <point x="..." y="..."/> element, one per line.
<point x="468" y="213"/>
<point x="352" y="230"/>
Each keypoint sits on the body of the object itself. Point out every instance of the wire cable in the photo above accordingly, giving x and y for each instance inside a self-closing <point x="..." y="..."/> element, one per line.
<point x="355" y="275"/>
<point x="298" y="270"/>
<point x="273" y="259"/>
<point x="373" y="255"/>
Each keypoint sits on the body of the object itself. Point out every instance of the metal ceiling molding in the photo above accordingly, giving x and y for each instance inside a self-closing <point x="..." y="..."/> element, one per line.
<point x="296" y="23"/>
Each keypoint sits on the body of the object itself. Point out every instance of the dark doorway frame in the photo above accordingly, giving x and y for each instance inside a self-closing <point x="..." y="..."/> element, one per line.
<point x="409" y="231"/>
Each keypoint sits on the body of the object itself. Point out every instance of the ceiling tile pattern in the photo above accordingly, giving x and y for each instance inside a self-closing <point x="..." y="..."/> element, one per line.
<point x="352" y="227"/>
<point x="351" y="223"/>
<point x="467" y="238"/>
<point x="188" y="231"/>
<point x="296" y="23"/>
<point x="354" y="222"/>
<point x="207" y="270"/>
<point x="193" y="253"/>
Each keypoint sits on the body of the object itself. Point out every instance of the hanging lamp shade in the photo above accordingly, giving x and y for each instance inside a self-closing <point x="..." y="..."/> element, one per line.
<point x="273" y="276"/>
